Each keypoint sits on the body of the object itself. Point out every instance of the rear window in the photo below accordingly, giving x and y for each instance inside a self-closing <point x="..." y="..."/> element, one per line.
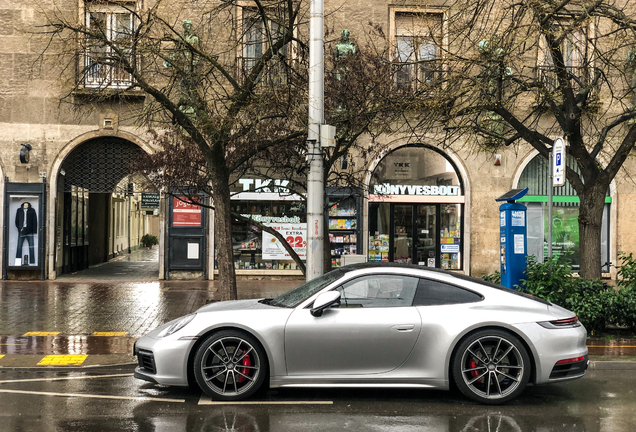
<point x="431" y="292"/>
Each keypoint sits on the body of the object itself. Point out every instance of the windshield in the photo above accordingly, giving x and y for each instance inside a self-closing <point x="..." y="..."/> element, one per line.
<point x="296" y="296"/>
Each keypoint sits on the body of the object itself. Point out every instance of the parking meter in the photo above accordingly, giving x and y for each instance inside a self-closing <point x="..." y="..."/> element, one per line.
<point x="513" y="238"/>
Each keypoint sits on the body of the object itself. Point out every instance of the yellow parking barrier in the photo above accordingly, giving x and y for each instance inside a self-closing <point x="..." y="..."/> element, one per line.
<point x="62" y="360"/>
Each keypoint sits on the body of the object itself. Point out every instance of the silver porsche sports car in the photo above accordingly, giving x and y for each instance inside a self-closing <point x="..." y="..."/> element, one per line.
<point x="371" y="325"/>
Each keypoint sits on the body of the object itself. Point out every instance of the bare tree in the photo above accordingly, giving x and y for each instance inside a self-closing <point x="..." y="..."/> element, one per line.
<point x="222" y="73"/>
<point x="534" y="70"/>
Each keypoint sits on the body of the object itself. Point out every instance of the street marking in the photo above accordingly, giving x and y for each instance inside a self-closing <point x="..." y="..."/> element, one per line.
<point x="65" y="378"/>
<point x="92" y="396"/>
<point x="207" y="401"/>
<point x="1" y="355"/>
<point x="110" y="333"/>
<point x="62" y="360"/>
<point x="35" y="333"/>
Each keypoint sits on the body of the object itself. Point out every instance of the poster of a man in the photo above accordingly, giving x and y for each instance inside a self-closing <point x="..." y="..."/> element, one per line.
<point x="23" y="234"/>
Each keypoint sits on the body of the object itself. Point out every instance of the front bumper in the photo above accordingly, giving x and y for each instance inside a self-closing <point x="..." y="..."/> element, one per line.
<point x="163" y="361"/>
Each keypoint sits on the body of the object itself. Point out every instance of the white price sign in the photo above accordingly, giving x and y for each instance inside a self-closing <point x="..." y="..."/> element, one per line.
<point x="296" y="236"/>
<point x="558" y="162"/>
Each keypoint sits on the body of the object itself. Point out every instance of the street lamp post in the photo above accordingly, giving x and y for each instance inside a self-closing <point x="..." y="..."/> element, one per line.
<point x="315" y="178"/>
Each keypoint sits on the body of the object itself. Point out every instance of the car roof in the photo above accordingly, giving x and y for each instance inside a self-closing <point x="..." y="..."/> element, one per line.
<point x="382" y="265"/>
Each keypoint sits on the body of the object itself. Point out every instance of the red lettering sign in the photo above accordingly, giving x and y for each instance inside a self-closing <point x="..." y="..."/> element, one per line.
<point x="185" y="214"/>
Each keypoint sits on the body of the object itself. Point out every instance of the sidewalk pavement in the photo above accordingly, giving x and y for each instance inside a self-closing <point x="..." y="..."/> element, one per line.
<point x="94" y="317"/>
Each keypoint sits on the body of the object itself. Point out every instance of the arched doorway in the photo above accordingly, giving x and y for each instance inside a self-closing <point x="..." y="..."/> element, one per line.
<point x="416" y="211"/>
<point x="98" y="213"/>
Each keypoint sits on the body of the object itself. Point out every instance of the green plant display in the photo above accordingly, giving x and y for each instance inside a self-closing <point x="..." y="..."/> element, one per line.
<point x="149" y="240"/>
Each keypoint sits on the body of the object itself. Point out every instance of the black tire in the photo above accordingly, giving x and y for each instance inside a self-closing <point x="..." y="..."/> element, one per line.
<point x="491" y="367"/>
<point x="230" y="365"/>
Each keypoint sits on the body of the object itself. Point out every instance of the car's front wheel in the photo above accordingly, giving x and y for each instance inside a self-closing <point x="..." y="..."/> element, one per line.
<point x="491" y="367"/>
<point x="230" y="365"/>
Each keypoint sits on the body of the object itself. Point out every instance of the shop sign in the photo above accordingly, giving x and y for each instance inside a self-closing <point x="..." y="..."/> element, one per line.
<point x="296" y="236"/>
<point x="264" y="186"/>
<point x="389" y="189"/>
<point x="185" y="214"/>
<point x="273" y="219"/>
<point x="150" y="200"/>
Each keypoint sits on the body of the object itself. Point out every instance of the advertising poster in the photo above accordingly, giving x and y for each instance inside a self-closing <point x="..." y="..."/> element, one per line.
<point x="565" y="233"/>
<point x="185" y="214"/>
<point x="296" y="236"/>
<point x="23" y="230"/>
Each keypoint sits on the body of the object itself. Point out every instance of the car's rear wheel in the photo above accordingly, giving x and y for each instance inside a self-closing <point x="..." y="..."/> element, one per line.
<point x="230" y="365"/>
<point x="491" y="367"/>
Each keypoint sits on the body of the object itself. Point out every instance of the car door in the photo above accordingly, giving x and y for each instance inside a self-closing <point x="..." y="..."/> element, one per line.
<point x="372" y="331"/>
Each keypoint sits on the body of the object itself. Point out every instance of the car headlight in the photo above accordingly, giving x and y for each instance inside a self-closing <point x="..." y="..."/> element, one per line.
<point x="177" y="325"/>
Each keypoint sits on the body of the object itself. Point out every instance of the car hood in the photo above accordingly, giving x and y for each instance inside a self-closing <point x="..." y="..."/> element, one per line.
<point x="234" y="305"/>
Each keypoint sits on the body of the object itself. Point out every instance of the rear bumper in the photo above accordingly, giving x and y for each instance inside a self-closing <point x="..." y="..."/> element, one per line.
<point x="571" y="370"/>
<point x="549" y="346"/>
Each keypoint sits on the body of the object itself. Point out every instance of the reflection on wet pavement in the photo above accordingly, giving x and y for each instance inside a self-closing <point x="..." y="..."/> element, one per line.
<point x="612" y="347"/>
<point x="597" y="403"/>
<point x="76" y="310"/>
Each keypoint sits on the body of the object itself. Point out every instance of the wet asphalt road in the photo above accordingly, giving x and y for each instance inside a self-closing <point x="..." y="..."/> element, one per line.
<point x="102" y="400"/>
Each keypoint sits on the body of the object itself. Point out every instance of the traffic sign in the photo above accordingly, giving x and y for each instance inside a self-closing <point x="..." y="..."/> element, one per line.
<point x="558" y="162"/>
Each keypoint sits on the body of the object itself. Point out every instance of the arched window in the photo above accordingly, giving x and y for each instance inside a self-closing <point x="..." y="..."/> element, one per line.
<point x="565" y="214"/>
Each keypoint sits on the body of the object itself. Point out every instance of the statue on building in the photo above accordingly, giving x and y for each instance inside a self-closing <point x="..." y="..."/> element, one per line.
<point x="343" y="49"/>
<point x="184" y="61"/>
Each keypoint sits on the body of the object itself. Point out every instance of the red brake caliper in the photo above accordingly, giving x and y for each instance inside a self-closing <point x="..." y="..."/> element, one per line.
<point x="473" y="365"/>
<point x="245" y="362"/>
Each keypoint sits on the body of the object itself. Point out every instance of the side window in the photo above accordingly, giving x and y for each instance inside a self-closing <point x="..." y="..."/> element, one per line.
<point x="378" y="291"/>
<point x="431" y="293"/>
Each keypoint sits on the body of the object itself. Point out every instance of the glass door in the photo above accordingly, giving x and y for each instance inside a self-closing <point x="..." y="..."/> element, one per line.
<point x="426" y="227"/>
<point x="403" y="233"/>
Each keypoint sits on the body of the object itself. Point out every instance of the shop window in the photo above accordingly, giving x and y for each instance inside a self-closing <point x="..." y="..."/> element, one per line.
<point x="565" y="215"/>
<point x="378" y="291"/>
<point x="416" y="210"/>
<point x="103" y="65"/>
<point x="432" y="293"/>
<point x="417" y="41"/>
<point x="254" y="249"/>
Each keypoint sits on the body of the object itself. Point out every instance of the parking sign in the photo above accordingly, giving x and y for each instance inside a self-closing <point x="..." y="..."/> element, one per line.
<point x="558" y="162"/>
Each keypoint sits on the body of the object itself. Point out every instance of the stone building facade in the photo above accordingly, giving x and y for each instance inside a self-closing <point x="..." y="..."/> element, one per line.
<point x="79" y="152"/>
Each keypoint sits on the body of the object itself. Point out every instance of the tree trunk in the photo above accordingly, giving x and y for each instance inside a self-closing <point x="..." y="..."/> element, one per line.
<point x="223" y="236"/>
<point x="590" y="222"/>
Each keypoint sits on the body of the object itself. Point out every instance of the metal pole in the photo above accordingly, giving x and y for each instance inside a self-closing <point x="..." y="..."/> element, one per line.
<point x="550" y="192"/>
<point x="315" y="181"/>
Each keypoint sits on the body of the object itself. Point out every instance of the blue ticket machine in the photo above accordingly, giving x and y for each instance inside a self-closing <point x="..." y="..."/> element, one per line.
<point x="513" y="238"/>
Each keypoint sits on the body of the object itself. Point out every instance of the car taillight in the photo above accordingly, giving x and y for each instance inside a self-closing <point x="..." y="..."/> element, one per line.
<point x="561" y="323"/>
<point x="571" y="360"/>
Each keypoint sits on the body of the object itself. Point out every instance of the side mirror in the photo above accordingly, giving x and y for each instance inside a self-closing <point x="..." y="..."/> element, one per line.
<point x="323" y="301"/>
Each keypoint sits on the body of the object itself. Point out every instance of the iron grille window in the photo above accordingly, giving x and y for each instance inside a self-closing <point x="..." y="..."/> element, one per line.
<point x="103" y="64"/>
<point x="417" y="48"/>
<point x="574" y="49"/>
<point x="256" y="43"/>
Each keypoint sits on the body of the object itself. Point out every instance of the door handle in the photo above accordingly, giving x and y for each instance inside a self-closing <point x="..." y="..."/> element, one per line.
<point x="403" y="327"/>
